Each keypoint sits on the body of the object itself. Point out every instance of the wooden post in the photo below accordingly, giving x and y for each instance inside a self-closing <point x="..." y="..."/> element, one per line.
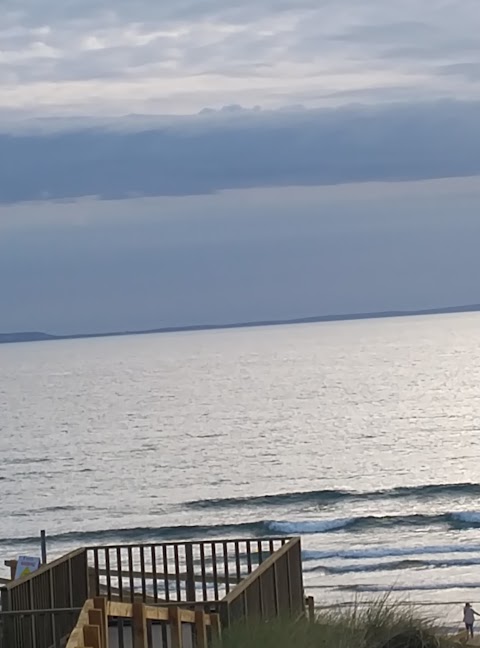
<point x="190" y="579"/>
<point x="175" y="627"/>
<point x="245" y="604"/>
<point x="51" y="590"/>
<point x="275" y="590"/>
<point x="92" y="582"/>
<point x="289" y="580"/>
<point x="311" y="609"/>
<point x="200" y="628"/>
<point x="100" y="604"/>
<point x="91" y="636"/>
<point x="140" y="638"/>
<point x="216" y="627"/>
<point x="13" y="568"/>
<point x="43" y="546"/>
<point x="95" y="619"/>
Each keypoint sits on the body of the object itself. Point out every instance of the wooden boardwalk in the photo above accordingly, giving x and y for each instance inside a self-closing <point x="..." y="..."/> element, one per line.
<point x="181" y="588"/>
<point x="140" y="626"/>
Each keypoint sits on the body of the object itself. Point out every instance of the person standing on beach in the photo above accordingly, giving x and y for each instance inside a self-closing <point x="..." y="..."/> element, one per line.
<point x="469" y="618"/>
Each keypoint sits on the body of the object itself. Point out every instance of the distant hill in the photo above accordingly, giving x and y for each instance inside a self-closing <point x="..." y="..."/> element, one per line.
<point x="29" y="336"/>
<point x="41" y="337"/>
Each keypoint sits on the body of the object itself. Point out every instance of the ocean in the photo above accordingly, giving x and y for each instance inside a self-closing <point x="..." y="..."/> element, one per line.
<point x="360" y="436"/>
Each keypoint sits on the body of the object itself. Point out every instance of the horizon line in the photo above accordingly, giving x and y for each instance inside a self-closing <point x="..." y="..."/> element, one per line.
<point x="38" y="336"/>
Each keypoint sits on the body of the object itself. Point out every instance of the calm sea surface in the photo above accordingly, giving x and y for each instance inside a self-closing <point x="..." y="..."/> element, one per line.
<point x="363" y="437"/>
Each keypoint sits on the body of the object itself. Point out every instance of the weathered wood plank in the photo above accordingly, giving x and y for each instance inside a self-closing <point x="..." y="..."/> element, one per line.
<point x="176" y="628"/>
<point x="216" y="627"/>
<point x="140" y="639"/>
<point x="92" y="637"/>
<point x="100" y="604"/>
<point x="201" y="629"/>
<point x="76" y="637"/>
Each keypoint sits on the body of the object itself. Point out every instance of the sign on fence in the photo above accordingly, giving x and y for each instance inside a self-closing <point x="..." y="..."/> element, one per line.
<point x="26" y="565"/>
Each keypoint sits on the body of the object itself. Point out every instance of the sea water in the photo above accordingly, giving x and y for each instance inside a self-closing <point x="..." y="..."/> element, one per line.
<point x="360" y="436"/>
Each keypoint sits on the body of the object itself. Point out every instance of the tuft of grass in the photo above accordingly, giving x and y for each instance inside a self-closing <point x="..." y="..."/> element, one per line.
<point x="378" y="625"/>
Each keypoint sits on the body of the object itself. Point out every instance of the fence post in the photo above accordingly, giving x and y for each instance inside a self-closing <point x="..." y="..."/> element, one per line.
<point x="216" y="626"/>
<point x="43" y="546"/>
<point x="7" y="628"/>
<point x="190" y="579"/>
<point x="91" y="636"/>
<point x="275" y="590"/>
<point x="139" y="626"/>
<point x="12" y="564"/>
<point x="100" y="604"/>
<point x="200" y="628"/>
<point x="51" y="592"/>
<point x="92" y="581"/>
<point x="311" y="609"/>
<point x="175" y="619"/>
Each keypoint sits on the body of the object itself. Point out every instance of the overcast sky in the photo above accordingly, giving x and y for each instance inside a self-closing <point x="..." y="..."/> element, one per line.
<point x="214" y="161"/>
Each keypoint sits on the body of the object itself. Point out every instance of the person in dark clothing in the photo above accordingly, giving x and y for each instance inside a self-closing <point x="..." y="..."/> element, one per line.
<point x="469" y="618"/>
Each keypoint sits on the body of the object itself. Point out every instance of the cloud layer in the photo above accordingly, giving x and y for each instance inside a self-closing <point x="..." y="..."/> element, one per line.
<point x="384" y="92"/>
<point x="243" y="150"/>
<point x="105" y="57"/>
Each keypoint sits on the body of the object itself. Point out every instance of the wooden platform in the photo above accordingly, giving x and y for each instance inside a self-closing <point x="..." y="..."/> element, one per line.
<point x="231" y="580"/>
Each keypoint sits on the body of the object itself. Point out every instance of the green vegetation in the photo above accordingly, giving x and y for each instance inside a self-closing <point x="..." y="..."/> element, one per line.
<point x="379" y="625"/>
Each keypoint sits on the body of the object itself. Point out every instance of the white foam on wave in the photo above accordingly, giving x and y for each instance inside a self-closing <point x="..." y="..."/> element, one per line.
<point x="385" y="552"/>
<point x="401" y="564"/>
<point x="310" y="526"/>
<point x="412" y="588"/>
<point x="326" y="525"/>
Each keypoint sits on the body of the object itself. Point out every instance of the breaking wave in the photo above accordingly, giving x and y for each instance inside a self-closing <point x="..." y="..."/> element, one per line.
<point x="325" y="497"/>
<point x="395" y="565"/>
<point x="257" y="529"/>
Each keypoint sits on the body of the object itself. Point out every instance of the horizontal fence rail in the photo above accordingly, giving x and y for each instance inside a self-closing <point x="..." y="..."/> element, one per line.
<point x="110" y="624"/>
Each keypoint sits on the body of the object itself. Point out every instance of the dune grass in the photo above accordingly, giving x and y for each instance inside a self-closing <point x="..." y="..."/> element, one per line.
<point x="379" y="625"/>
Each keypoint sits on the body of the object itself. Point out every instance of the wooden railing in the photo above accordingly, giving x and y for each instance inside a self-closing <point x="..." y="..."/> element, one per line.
<point x="176" y="572"/>
<point x="275" y="589"/>
<point x="47" y="602"/>
<point x="36" y="628"/>
<point x="109" y="624"/>
<point x="62" y="583"/>
<point x="237" y="579"/>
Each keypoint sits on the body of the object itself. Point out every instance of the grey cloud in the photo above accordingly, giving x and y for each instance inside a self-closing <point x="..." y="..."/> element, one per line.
<point x="434" y="50"/>
<point x="386" y="32"/>
<point x="168" y="10"/>
<point x="245" y="149"/>
<point x="469" y="70"/>
<point x="265" y="50"/>
<point x="230" y="54"/>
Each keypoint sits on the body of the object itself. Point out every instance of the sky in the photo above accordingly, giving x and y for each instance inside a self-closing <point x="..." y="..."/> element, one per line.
<point x="213" y="161"/>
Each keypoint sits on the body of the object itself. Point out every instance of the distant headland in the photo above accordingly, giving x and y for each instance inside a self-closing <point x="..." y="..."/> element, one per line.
<point x="34" y="336"/>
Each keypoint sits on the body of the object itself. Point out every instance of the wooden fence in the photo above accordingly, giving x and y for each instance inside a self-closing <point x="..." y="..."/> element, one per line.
<point x="111" y="624"/>
<point x="36" y="628"/>
<point x="185" y="572"/>
<point x="41" y="608"/>
<point x="274" y="589"/>
<point x="237" y="579"/>
<point x="60" y="584"/>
